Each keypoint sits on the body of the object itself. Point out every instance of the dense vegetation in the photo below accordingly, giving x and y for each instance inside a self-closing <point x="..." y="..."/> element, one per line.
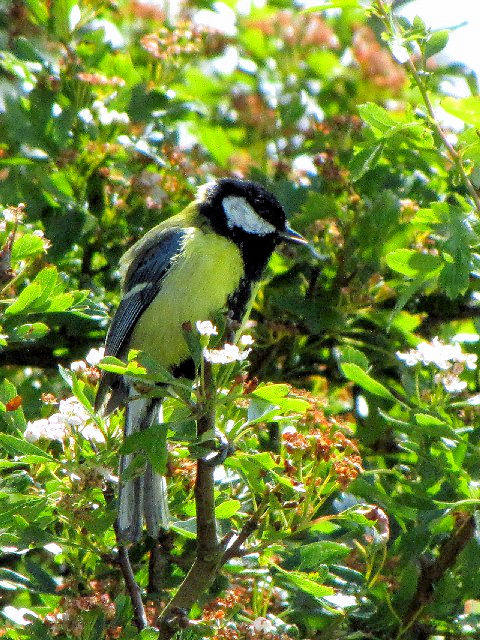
<point x="349" y="504"/>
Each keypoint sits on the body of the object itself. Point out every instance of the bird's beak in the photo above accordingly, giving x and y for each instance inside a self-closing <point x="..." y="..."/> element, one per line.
<point x="289" y="235"/>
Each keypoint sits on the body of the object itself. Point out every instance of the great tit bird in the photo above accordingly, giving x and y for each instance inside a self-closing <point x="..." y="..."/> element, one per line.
<point x="205" y="260"/>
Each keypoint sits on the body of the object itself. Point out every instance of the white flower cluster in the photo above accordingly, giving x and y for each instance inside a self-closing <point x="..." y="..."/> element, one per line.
<point x="206" y="328"/>
<point x="92" y="358"/>
<point x="70" y="417"/>
<point x="105" y="116"/>
<point x="262" y="625"/>
<point x="229" y="352"/>
<point x="449" y="358"/>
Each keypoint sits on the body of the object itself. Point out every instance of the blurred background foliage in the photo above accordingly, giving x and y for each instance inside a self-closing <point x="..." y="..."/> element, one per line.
<point x="111" y="113"/>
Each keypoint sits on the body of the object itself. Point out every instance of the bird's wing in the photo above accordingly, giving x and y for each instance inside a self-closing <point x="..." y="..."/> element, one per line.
<point x="142" y="283"/>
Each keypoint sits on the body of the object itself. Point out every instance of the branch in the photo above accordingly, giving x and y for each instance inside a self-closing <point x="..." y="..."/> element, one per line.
<point x="431" y="573"/>
<point x="209" y="550"/>
<point x="123" y="561"/>
<point x="132" y="587"/>
<point x="453" y="154"/>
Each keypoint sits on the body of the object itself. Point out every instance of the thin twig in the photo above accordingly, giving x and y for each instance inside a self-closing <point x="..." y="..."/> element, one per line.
<point x="123" y="560"/>
<point x="132" y="588"/>
<point x="453" y="154"/>
<point x="235" y="550"/>
<point x="209" y="550"/>
<point x="455" y="157"/>
<point x="432" y="572"/>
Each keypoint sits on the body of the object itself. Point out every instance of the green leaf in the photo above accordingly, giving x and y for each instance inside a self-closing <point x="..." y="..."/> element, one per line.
<point x="186" y="528"/>
<point x="16" y="446"/>
<point x="271" y="392"/>
<point x="26" y="298"/>
<point x="350" y="354"/>
<point x="365" y="160"/>
<point x="323" y="63"/>
<point x="467" y="109"/>
<point x="227" y="509"/>
<point x="324" y="552"/>
<point x="217" y="143"/>
<point x="360" y="377"/>
<point x="377" y="117"/>
<point x="436" y="42"/>
<point x="304" y="582"/>
<point x="148" y="634"/>
<point x="26" y="246"/>
<point x="152" y="442"/>
<point x="455" y="276"/>
<point x="33" y="331"/>
<point x="413" y="263"/>
<point x="434" y="425"/>
<point x="39" y="10"/>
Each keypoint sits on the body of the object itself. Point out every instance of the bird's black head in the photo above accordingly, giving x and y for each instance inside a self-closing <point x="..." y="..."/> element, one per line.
<point x="247" y="213"/>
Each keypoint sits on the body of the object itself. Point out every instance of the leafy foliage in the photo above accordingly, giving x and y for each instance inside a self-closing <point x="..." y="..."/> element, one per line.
<point x="356" y="429"/>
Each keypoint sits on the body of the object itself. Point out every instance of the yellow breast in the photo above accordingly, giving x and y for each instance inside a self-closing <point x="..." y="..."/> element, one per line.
<point x="196" y="286"/>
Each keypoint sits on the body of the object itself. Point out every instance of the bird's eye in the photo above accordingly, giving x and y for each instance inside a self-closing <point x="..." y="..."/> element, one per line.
<point x="240" y="214"/>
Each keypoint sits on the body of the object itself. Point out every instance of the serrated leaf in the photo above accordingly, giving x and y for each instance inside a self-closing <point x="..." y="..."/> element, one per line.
<point x="360" y="377"/>
<point x="305" y="582"/>
<point x="350" y="354"/>
<point x="377" y="117"/>
<point x="16" y="446"/>
<point x="413" y="263"/>
<point x="365" y="160"/>
<point x="227" y="509"/>
<point x="26" y="246"/>
<point x="324" y="552"/>
<point x="436" y="42"/>
<point x="26" y="298"/>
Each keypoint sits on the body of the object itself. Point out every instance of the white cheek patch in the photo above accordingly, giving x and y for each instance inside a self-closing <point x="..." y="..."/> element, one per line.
<point x="240" y="214"/>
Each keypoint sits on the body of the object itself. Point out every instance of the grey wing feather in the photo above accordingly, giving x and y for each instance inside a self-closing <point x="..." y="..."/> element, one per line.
<point x="142" y="283"/>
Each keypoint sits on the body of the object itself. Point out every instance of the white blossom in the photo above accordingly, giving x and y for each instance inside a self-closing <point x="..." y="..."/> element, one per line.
<point x="18" y="614"/>
<point x="229" y="353"/>
<point x="78" y="366"/>
<point x="246" y="340"/>
<point x="9" y="215"/>
<point x="56" y="110"/>
<point x="71" y="416"/>
<point x="94" y="356"/>
<point x="452" y="383"/>
<point x="439" y="354"/>
<point x="44" y="429"/>
<point x="262" y="625"/>
<point x="109" y="116"/>
<point x="91" y="432"/>
<point x="72" y="412"/>
<point x="85" y="116"/>
<point x="206" y="328"/>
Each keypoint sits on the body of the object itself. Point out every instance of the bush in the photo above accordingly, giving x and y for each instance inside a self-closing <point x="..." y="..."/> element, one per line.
<point x="348" y="509"/>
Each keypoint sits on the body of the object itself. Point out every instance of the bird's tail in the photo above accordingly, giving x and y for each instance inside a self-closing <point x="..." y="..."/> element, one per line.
<point x="144" y="495"/>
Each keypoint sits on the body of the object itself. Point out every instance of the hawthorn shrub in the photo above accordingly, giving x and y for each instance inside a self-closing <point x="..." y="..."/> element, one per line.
<point x="348" y="509"/>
